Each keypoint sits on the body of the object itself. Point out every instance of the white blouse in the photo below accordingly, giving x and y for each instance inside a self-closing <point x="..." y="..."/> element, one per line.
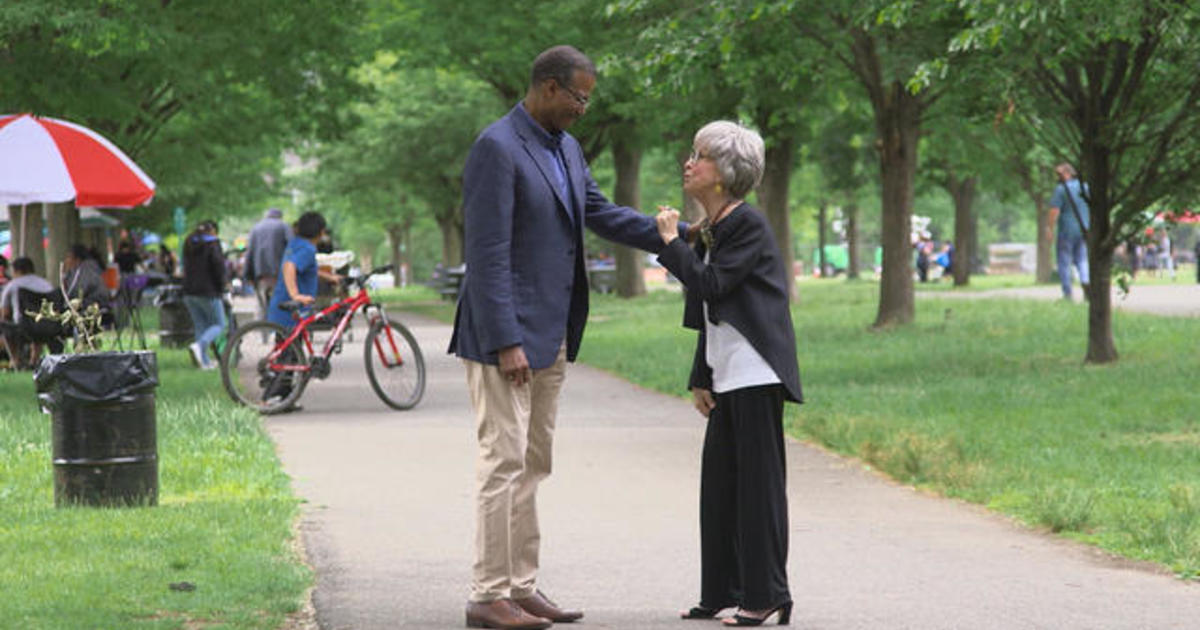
<point x="734" y="362"/>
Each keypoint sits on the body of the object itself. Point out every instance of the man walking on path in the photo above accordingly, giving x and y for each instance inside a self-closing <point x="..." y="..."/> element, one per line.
<point x="264" y="250"/>
<point x="527" y="193"/>
<point x="1069" y="211"/>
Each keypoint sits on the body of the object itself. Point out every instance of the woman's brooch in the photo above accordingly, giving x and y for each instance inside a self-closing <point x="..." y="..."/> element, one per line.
<point x="706" y="235"/>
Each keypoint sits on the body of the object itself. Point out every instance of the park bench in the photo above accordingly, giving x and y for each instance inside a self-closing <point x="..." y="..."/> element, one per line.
<point x="1004" y="258"/>
<point x="452" y="282"/>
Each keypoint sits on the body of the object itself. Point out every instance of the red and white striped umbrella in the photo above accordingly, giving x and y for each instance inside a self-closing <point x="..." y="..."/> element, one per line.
<point x="45" y="160"/>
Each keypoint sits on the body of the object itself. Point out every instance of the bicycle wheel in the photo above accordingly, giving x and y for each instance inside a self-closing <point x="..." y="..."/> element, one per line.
<point x="395" y="366"/>
<point x="251" y="380"/>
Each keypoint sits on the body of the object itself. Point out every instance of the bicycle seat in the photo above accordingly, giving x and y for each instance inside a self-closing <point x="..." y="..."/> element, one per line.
<point x="291" y="306"/>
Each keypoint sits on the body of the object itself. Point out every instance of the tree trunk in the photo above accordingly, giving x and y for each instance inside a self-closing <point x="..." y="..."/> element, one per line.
<point x="63" y="230"/>
<point x="963" y="192"/>
<point x="452" y="237"/>
<point x="627" y="161"/>
<point x="25" y="227"/>
<point x="1033" y="189"/>
<point x="822" y="218"/>
<point x="773" y="193"/>
<point x="898" y="123"/>
<point x="973" y="258"/>
<point x="406" y="250"/>
<point x="395" y="232"/>
<point x="1101" y="347"/>
<point x="851" y="210"/>
<point x="1045" y="257"/>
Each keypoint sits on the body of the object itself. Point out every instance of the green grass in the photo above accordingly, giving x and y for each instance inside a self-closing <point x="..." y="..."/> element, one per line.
<point x="987" y="400"/>
<point x="418" y="299"/>
<point x="224" y="522"/>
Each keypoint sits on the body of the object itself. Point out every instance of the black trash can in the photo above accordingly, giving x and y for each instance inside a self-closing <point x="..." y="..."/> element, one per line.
<point x="103" y="431"/>
<point x="174" y="323"/>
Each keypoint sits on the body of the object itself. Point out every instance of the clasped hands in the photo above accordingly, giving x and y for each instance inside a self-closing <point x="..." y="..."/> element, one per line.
<point x="668" y="223"/>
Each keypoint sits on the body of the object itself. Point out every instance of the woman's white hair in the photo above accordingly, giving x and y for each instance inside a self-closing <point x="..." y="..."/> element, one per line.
<point x="737" y="151"/>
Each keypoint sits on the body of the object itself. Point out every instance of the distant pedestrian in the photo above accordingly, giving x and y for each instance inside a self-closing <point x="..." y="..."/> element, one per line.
<point x="945" y="258"/>
<point x="264" y="251"/>
<point x="203" y="286"/>
<point x="1196" y="251"/>
<point x="166" y="261"/>
<point x="1133" y="254"/>
<point x="82" y="277"/>
<point x="127" y="258"/>
<point x="1166" y="255"/>
<point x="1069" y="214"/>
<point x="924" y="249"/>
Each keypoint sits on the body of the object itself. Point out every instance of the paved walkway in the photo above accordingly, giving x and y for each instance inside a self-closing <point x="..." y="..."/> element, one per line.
<point x="1179" y="300"/>
<point x="388" y="523"/>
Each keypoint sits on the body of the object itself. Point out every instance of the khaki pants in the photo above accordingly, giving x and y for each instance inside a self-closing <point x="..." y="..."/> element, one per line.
<point x="515" y="427"/>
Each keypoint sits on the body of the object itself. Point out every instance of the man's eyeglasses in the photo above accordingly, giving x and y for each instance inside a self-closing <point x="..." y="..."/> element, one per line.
<point x="582" y="100"/>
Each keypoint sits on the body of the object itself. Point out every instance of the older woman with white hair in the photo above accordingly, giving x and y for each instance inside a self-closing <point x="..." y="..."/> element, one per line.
<point x="743" y="371"/>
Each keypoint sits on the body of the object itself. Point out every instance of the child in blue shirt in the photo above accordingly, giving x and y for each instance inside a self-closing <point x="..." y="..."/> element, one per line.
<point x="298" y="271"/>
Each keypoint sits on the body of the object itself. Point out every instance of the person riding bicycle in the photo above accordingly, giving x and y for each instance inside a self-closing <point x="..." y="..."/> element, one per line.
<point x="297" y="282"/>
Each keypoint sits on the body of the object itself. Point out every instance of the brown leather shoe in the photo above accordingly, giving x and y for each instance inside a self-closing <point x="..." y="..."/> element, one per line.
<point x="503" y="614"/>
<point x="540" y="605"/>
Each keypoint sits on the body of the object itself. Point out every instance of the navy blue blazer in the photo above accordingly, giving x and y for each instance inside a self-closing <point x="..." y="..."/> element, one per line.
<point x="526" y="283"/>
<point x="745" y="286"/>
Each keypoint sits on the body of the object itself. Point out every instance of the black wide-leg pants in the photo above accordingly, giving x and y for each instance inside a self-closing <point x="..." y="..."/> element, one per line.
<point x="743" y="502"/>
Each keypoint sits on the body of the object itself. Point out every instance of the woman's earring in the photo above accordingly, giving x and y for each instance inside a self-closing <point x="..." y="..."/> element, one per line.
<point x="717" y="187"/>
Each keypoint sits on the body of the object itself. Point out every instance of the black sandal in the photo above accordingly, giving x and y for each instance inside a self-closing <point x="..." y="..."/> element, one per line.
<point x="700" y="612"/>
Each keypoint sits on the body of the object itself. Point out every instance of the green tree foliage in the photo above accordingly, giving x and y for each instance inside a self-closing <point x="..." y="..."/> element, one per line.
<point x="725" y="60"/>
<point x="882" y="45"/>
<point x="203" y="95"/>
<point x="844" y="152"/>
<point x="406" y="155"/>
<point x="1113" y="89"/>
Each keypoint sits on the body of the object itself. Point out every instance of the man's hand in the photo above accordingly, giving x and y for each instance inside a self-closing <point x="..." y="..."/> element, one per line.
<point x="304" y="299"/>
<point x="514" y="366"/>
<point x="703" y="400"/>
<point x="668" y="223"/>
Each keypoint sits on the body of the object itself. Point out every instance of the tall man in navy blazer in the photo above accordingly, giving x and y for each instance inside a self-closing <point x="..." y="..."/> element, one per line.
<point x="527" y="195"/>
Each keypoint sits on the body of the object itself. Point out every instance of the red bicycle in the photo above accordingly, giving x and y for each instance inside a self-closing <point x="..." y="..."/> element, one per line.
<point x="267" y="368"/>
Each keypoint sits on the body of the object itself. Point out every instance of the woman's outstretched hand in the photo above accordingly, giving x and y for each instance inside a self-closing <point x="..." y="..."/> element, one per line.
<point x="668" y="223"/>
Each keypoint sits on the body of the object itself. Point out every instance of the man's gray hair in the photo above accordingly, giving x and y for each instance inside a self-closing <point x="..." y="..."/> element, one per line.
<point x="1066" y="169"/>
<point x="737" y="151"/>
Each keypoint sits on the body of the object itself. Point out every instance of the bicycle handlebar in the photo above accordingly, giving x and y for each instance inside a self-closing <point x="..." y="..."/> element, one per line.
<point x="361" y="281"/>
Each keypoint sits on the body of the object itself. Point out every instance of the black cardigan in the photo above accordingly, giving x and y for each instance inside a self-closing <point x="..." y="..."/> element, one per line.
<point x="745" y="286"/>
